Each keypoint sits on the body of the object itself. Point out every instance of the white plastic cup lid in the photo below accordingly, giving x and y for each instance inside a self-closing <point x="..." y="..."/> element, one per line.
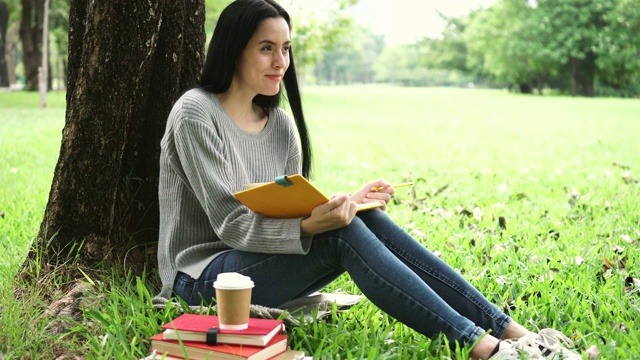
<point x="232" y="281"/>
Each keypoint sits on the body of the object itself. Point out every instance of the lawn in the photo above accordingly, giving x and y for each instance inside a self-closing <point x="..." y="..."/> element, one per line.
<point x="534" y="199"/>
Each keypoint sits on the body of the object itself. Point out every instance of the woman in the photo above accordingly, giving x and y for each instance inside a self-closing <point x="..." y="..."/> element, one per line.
<point x="229" y="131"/>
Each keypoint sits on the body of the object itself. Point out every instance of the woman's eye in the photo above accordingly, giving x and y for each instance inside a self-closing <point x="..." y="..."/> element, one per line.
<point x="266" y="48"/>
<point x="286" y="49"/>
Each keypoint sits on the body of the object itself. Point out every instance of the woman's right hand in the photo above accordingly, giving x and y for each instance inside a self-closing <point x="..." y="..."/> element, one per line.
<point x="337" y="213"/>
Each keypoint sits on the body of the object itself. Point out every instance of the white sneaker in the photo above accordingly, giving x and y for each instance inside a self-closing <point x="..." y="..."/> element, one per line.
<point x="516" y="350"/>
<point x="552" y="344"/>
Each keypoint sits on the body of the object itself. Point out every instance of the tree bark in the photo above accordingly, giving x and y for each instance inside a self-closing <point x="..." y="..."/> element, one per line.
<point x="44" y="82"/>
<point x="128" y="61"/>
<point x="583" y="74"/>
<point x="525" y="88"/>
<point x="31" y="37"/>
<point x="62" y="64"/>
<point x="4" y="25"/>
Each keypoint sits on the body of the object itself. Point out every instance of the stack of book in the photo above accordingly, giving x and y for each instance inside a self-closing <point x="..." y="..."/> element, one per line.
<point x="186" y="338"/>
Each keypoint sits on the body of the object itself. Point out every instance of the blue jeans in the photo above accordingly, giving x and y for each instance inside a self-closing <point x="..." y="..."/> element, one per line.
<point x="392" y="270"/>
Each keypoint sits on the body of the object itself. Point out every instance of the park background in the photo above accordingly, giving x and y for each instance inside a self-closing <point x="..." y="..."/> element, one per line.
<point x="517" y="122"/>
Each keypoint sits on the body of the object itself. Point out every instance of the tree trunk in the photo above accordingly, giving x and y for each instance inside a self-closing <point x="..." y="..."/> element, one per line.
<point x="4" y="24"/>
<point x="11" y="51"/>
<point x="62" y="65"/>
<point x="128" y="62"/>
<point x="525" y="88"/>
<point x="31" y="37"/>
<point x="43" y="71"/>
<point x="583" y="73"/>
<point x="61" y="60"/>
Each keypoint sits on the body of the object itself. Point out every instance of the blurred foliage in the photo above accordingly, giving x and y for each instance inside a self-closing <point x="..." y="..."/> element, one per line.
<point x="582" y="44"/>
<point x="584" y="47"/>
<point x="213" y="8"/>
<point x="314" y="35"/>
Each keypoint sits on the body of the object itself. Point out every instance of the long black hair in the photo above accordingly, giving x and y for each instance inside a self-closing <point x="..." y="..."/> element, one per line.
<point x="236" y="25"/>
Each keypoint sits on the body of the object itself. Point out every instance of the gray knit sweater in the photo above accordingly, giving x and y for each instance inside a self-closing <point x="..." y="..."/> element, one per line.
<point x="205" y="158"/>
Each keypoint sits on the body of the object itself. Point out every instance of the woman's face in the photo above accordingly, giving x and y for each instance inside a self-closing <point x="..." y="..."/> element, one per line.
<point x="265" y="59"/>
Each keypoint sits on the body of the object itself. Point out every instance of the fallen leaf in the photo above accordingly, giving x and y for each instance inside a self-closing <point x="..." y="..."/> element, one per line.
<point x="618" y="327"/>
<point x="477" y="214"/>
<point x="579" y="260"/>
<point x="465" y="212"/>
<point x="498" y="248"/>
<point x="438" y="191"/>
<point x="618" y="249"/>
<point x="621" y="263"/>
<point x="525" y="297"/>
<point x="621" y="166"/>
<point x="547" y="275"/>
<point x="502" y="223"/>
<point x="483" y="273"/>
<point x="592" y="352"/>
<point x="442" y="213"/>
<point x="501" y="280"/>
<point x="626" y="238"/>
<point x="518" y="196"/>
<point x="631" y="283"/>
<point x="626" y="177"/>
<point x="511" y="304"/>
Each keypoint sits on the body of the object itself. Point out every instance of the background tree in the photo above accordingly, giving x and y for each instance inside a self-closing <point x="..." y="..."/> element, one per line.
<point x="579" y="45"/>
<point x="31" y="39"/>
<point x="572" y="28"/>
<point x="314" y="35"/>
<point x="619" y="46"/>
<point x="13" y="49"/>
<point x="449" y="51"/>
<point x="59" y="30"/>
<point x="513" y="51"/>
<point x="351" y="59"/>
<point x="4" y="25"/>
<point x="128" y="61"/>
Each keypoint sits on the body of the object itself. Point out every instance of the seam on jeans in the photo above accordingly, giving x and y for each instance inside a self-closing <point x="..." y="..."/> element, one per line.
<point x="256" y="264"/>
<point x="408" y="295"/>
<point x="430" y="271"/>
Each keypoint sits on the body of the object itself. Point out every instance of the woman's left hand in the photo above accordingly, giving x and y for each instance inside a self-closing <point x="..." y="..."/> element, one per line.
<point x="375" y="191"/>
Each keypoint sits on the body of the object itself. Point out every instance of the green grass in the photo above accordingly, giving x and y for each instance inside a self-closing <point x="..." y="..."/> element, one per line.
<point x="562" y="172"/>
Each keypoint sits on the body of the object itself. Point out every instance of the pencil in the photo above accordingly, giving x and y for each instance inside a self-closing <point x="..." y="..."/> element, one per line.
<point x="378" y="188"/>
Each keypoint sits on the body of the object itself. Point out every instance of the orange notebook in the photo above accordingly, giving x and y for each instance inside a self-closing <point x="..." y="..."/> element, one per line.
<point x="290" y="196"/>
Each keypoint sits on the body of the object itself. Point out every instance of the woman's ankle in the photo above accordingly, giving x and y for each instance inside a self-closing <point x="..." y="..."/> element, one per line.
<point x="514" y="331"/>
<point x="484" y="348"/>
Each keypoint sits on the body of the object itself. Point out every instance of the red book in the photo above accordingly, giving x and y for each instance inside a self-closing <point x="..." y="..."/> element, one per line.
<point x="193" y="327"/>
<point x="199" y="350"/>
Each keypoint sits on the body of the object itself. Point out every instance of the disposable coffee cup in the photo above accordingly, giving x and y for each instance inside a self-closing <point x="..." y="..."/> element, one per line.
<point x="233" y="300"/>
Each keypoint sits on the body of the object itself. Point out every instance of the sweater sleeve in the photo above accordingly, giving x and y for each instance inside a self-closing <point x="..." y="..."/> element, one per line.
<point x="210" y="175"/>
